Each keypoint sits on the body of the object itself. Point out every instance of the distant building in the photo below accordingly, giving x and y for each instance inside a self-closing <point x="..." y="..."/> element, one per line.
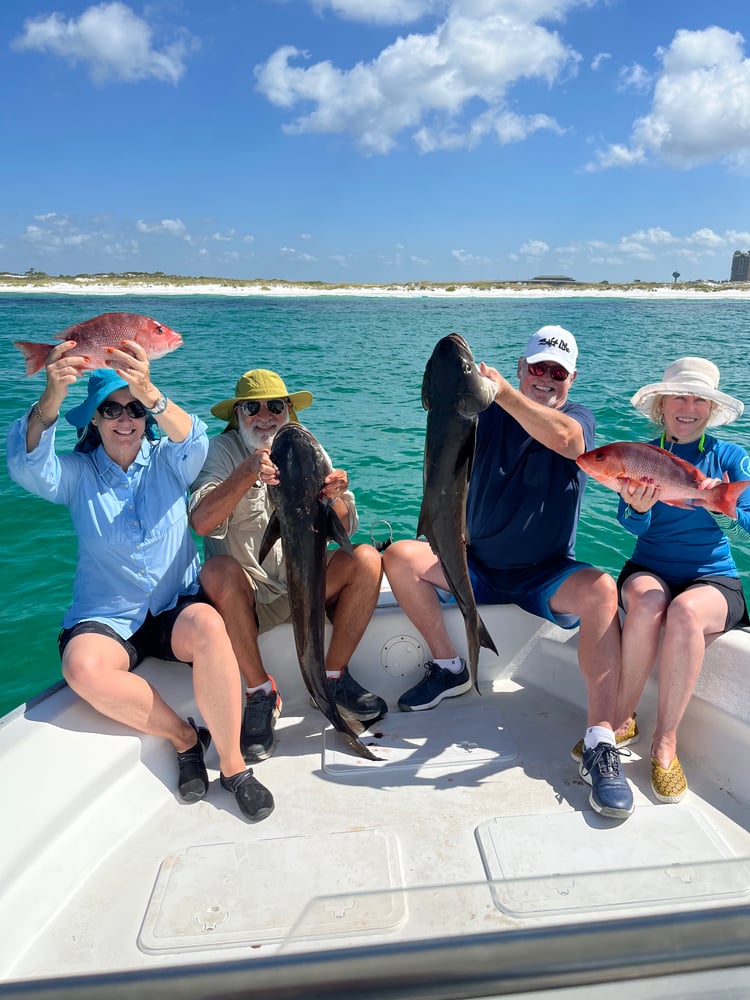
<point x="740" y="266"/>
<point x="553" y="279"/>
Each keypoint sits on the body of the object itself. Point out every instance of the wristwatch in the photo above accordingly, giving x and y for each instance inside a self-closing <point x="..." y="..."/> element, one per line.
<point x="159" y="406"/>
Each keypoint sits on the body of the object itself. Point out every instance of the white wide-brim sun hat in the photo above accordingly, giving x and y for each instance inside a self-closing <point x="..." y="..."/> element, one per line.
<point x="691" y="377"/>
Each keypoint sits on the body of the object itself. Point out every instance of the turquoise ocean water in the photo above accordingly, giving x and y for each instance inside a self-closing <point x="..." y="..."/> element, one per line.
<point x="363" y="359"/>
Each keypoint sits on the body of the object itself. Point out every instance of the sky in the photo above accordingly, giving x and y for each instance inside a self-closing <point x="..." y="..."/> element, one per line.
<point x="376" y="141"/>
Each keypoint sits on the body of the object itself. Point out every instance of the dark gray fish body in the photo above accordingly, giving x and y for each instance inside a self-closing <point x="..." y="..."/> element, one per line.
<point x="305" y="523"/>
<point x="454" y="394"/>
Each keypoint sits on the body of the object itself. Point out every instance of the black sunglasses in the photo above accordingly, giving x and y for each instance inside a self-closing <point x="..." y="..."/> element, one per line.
<point x="558" y="373"/>
<point x="251" y="406"/>
<point x="112" y="410"/>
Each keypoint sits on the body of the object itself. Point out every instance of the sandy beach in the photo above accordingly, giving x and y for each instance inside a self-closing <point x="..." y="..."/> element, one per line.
<point x="86" y="286"/>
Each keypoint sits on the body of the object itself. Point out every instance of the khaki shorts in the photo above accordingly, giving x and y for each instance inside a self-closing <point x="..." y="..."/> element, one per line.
<point x="277" y="612"/>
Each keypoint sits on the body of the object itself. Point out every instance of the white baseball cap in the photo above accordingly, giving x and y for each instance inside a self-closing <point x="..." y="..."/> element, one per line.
<point x="553" y="343"/>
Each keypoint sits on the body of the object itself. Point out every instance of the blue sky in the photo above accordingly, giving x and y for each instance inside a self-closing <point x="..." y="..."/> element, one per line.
<point x="376" y="140"/>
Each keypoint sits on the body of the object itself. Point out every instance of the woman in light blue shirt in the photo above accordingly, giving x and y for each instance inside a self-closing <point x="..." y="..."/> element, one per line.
<point x="136" y="591"/>
<point x="680" y="588"/>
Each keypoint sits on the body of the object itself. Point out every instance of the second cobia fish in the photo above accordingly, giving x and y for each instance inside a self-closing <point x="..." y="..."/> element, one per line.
<point x="622" y="462"/>
<point x="95" y="337"/>
<point x="304" y="523"/>
<point x="454" y="394"/>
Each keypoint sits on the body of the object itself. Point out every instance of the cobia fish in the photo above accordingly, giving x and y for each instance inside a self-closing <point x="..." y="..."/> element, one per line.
<point x="454" y="394"/>
<point x="622" y="462"/>
<point x="96" y="337"/>
<point x="304" y="523"/>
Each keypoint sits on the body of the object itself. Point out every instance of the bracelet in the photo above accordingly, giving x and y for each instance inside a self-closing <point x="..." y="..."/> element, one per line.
<point x="37" y="411"/>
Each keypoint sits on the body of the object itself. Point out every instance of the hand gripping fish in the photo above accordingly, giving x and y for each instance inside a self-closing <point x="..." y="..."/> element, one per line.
<point x="304" y="523"/>
<point x="95" y="337"/>
<point x="454" y="394"/>
<point x="615" y="465"/>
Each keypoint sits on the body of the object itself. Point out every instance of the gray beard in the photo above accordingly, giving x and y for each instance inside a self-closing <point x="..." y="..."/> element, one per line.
<point x="254" y="439"/>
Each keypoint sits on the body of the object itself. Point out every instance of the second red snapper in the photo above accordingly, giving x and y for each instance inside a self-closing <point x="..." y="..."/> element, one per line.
<point x="615" y="465"/>
<point x="95" y="337"/>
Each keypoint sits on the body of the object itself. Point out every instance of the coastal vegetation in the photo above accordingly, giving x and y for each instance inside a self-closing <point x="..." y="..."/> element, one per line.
<point x="137" y="280"/>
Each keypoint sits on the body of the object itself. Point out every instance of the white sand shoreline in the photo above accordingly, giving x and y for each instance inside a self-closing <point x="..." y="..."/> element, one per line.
<point x="457" y="291"/>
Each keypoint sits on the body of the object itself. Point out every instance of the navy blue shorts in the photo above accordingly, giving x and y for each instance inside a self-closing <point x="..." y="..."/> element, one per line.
<point x="153" y="638"/>
<point x="531" y="588"/>
<point x="730" y="588"/>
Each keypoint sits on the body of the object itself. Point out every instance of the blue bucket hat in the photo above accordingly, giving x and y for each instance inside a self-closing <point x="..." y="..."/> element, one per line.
<point x="102" y="383"/>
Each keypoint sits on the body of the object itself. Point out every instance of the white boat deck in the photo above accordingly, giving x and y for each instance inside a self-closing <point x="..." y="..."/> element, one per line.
<point x="474" y="821"/>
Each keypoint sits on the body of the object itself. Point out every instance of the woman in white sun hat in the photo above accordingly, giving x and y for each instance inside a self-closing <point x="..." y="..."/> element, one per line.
<point x="681" y="576"/>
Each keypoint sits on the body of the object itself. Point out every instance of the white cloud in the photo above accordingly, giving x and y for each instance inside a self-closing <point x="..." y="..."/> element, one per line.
<point x="706" y="238"/>
<point x="534" y="249"/>
<point x="699" y="113"/>
<point x="111" y="40"/>
<point x="654" y="235"/>
<point x="468" y="258"/>
<point x="599" y="59"/>
<point x="291" y="254"/>
<point x="634" y="78"/>
<point x="170" y="227"/>
<point x="381" y="11"/>
<point x="428" y="86"/>
<point x="616" y="156"/>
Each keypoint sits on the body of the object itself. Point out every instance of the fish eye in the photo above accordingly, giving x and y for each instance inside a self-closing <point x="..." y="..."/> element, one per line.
<point x="159" y="328"/>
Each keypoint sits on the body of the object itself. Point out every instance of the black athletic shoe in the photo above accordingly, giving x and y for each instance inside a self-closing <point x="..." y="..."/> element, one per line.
<point x="258" y="722"/>
<point x="254" y="799"/>
<point x="193" y="780"/>
<point x="353" y="700"/>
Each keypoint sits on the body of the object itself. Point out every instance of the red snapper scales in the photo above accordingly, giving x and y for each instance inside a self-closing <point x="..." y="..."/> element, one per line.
<point x="96" y="337"/>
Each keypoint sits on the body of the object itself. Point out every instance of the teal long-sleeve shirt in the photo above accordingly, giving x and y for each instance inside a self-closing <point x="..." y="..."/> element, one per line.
<point x="681" y="544"/>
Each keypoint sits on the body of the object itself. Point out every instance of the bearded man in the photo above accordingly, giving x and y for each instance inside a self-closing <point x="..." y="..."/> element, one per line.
<point x="230" y="506"/>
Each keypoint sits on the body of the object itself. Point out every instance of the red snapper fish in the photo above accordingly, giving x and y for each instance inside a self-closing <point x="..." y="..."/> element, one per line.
<point x="95" y="337"/>
<point x="616" y="465"/>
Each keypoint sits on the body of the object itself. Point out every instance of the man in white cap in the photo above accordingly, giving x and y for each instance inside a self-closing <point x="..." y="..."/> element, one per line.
<point x="230" y="506"/>
<point x="522" y="513"/>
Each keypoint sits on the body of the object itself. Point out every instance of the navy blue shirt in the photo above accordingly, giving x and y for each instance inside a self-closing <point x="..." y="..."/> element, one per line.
<point x="524" y="499"/>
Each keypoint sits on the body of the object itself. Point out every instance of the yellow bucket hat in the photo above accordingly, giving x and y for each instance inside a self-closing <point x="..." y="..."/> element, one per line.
<point x="261" y="384"/>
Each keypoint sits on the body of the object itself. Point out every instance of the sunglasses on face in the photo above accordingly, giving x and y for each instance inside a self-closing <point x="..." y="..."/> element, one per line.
<point x="251" y="407"/>
<point x="558" y="373"/>
<point x="112" y="410"/>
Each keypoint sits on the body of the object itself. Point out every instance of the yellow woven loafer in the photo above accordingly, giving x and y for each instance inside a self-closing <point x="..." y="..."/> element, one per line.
<point x="669" y="784"/>
<point x="631" y="735"/>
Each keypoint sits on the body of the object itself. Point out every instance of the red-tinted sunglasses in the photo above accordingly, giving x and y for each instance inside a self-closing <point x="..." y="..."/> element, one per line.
<point x="558" y="373"/>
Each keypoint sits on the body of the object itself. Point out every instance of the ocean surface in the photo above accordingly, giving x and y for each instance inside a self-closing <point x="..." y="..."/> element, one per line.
<point x="363" y="361"/>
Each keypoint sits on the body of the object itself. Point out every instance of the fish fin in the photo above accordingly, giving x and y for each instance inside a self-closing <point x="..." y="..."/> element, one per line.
<point x="271" y="535"/>
<point x="423" y="528"/>
<point x="336" y="531"/>
<point x="485" y="639"/>
<point x="426" y="385"/>
<point x="34" y="354"/>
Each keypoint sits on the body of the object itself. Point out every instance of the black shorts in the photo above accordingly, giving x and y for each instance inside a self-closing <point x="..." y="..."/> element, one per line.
<point x="153" y="638"/>
<point x="730" y="588"/>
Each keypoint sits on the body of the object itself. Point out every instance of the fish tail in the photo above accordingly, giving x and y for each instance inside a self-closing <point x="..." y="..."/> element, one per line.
<point x="726" y="496"/>
<point x="34" y="354"/>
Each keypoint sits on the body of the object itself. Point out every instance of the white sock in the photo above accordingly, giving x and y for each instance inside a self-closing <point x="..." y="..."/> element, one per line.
<point x="333" y="675"/>
<point x="454" y="664"/>
<point x="266" y="687"/>
<point x="598" y="734"/>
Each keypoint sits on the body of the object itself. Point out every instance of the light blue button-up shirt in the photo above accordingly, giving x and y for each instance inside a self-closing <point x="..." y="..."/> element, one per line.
<point x="135" y="550"/>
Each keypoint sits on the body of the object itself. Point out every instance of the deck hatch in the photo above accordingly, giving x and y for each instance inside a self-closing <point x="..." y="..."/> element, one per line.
<point x="251" y="893"/>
